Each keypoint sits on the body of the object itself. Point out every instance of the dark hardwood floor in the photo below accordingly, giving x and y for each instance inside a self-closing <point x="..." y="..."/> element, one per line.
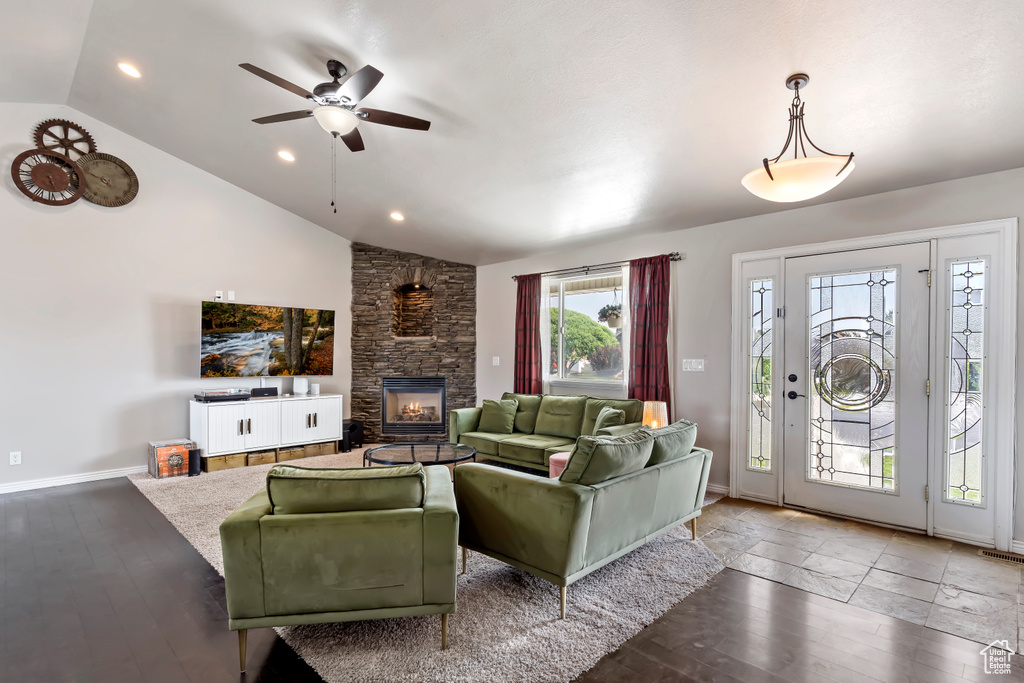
<point x="98" y="586"/>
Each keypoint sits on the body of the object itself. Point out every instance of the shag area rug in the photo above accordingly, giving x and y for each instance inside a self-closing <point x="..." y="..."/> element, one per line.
<point x="506" y="627"/>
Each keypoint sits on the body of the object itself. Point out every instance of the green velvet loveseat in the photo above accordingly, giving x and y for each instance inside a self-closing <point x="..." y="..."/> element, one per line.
<point x="615" y="494"/>
<point x="544" y="424"/>
<point x="327" y="545"/>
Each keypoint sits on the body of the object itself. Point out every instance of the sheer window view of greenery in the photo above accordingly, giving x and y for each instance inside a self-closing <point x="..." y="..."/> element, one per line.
<point x="591" y="335"/>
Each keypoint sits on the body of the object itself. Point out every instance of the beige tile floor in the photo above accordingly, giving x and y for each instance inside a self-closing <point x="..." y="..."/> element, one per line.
<point x="941" y="584"/>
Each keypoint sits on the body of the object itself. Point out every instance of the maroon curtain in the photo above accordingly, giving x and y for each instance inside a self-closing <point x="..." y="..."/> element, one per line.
<point x="528" y="378"/>
<point x="648" y="329"/>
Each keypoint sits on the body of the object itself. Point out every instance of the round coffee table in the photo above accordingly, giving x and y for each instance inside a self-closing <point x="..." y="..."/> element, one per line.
<point x="426" y="453"/>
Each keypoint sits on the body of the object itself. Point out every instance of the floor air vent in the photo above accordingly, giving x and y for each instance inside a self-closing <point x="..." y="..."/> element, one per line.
<point x="1005" y="557"/>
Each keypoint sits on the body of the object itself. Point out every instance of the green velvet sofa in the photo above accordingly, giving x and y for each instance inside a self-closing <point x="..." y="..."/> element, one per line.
<point x="544" y="424"/>
<point x="328" y="545"/>
<point x="563" y="529"/>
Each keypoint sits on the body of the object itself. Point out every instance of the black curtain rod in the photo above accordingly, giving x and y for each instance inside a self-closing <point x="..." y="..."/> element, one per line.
<point x="673" y="256"/>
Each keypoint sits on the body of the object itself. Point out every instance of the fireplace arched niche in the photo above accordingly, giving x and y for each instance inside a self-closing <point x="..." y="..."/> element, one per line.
<point x="413" y="297"/>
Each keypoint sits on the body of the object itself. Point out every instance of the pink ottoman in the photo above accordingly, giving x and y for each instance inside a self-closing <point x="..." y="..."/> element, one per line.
<point x="558" y="462"/>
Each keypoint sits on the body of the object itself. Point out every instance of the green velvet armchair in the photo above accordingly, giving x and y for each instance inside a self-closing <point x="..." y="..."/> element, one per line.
<point x="328" y="545"/>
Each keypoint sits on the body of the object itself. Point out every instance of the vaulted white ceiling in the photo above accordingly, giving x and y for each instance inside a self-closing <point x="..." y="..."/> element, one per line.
<point x="554" y="123"/>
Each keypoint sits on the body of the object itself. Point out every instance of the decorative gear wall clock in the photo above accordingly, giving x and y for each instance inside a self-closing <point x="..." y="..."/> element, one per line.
<point x="47" y="177"/>
<point x="108" y="180"/>
<point x="65" y="166"/>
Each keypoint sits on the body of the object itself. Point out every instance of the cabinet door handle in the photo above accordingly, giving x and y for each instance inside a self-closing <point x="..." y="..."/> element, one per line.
<point x="240" y="432"/>
<point x="314" y="419"/>
<point x="308" y="420"/>
<point x="248" y="425"/>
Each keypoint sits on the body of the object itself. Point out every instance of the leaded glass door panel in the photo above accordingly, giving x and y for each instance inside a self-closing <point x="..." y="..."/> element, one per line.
<point x="856" y="414"/>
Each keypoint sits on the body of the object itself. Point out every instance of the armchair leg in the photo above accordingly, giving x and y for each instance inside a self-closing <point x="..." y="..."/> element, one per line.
<point x="444" y="631"/>
<point x="693" y="527"/>
<point x="561" y="590"/>
<point x="464" y="554"/>
<point x="241" y="649"/>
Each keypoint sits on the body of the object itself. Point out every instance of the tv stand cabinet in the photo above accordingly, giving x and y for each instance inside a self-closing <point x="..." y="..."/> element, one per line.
<point x="262" y="430"/>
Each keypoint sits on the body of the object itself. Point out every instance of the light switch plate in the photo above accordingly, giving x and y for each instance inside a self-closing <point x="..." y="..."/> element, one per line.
<point x="693" y="365"/>
<point x="496" y="360"/>
<point x="231" y="295"/>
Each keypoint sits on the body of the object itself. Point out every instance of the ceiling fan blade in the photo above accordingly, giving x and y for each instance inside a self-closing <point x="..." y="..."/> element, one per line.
<point x="360" y="84"/>
<point x="280" y="82"/>
<point x="390" y="118"/>
<point x="353" y="140"/>
<point x="287" y="116"/>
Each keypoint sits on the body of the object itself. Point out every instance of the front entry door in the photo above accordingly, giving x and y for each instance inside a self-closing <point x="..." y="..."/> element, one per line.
<point x="856" y="364"/>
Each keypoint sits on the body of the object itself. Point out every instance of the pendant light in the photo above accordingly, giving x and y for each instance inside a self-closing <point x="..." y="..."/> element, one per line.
<point x="801" y="177"/>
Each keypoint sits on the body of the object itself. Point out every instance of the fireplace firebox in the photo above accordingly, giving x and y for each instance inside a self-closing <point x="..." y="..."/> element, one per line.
<point x="413" y="405"/>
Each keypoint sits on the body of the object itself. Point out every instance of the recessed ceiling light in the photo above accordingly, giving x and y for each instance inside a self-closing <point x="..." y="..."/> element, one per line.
<point x="286" y="155"/>
<point x="129" y="69"/>
<point x="397" y="216"/>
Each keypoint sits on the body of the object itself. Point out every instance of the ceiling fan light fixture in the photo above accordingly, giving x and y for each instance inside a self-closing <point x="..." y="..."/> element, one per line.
<point x="335" y="120"/>
<point x="802" y="177"/>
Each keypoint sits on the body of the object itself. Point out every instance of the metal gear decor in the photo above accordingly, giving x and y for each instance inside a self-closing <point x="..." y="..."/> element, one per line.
<point x="65" y="137"/>
<point x="65" y="166"/>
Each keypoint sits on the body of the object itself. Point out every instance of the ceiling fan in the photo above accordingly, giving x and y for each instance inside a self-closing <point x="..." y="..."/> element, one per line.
<point x="337" y="109"/>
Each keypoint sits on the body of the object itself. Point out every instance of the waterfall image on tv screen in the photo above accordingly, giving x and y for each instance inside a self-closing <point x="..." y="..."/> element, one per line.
<point x="241" y="340"/>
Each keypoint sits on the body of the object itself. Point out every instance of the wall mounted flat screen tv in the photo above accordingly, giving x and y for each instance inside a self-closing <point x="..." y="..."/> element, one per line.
<point x="241" y="340"/>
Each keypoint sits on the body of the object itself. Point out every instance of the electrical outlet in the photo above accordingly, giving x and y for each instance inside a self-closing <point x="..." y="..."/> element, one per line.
<point x="693" y="365"/>
<point x="15" y="457"/>
<point x="219" y="295"/>
<point x="496" y="360"/>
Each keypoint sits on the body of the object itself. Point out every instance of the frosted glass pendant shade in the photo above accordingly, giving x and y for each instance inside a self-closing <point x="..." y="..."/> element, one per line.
<point x="798" y="179"/>
<point x="655" y="414"/>
<point x="335" y="120"/>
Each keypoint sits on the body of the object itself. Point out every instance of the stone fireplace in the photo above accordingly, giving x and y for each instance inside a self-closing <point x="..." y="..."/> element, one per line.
<point x="413" y="318"/>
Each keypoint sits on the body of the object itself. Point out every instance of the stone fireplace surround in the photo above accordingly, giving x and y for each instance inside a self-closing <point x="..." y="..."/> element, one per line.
<point x="389" y="340"/>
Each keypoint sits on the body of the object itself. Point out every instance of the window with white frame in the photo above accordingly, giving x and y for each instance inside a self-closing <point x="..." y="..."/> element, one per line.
<point x="588" y="329"/>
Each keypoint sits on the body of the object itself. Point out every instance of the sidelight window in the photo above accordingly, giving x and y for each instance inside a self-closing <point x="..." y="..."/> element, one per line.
<point x="759" y="393"/>
<point x="965" y="357"/>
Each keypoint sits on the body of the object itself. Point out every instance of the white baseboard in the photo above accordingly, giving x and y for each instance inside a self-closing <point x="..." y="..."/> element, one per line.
<point x="717" y="488"/>
<point x="1017" y="547"/>
<point x="70" y="479"/>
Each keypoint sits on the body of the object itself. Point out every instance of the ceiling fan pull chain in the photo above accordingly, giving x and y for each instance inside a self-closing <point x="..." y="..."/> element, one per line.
<point x="334" y="171"/>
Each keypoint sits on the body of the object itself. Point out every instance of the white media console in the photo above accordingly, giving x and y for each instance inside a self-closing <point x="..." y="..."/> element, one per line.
<point x="275" y="422"/>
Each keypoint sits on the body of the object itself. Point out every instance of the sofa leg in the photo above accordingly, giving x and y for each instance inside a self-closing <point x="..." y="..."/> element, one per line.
<point x="693" y="527"/>
<point x="464" y="553"/>
<point x="561" y="590"/>
<point x="444" y="631"/>
<point x="241" y="649"/>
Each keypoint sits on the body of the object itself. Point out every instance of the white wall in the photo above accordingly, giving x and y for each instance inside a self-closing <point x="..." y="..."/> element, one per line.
<point x="100" y="307"/>
<point x="702" y="285"/>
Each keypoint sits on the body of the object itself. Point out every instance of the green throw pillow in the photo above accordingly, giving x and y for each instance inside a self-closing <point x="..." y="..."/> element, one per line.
<point x="671" y="442"/>
<point x="609" y="417"/>
<point x="560" y="416"/>
<point x="299" y="490"/>
<point x="498" y="417"/>
<point x="526" y="413"/>
<point x="599" y="458"/>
